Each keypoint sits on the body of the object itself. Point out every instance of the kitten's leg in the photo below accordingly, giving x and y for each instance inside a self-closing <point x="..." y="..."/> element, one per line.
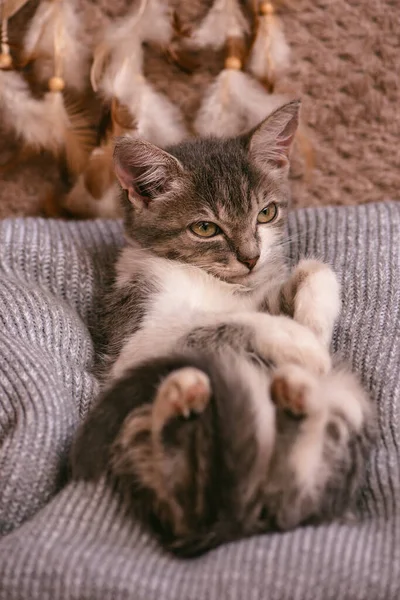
<point x="278" y="339"/>
<point x="284" y="341"/>
<point x="312" y="297"/>
<point x="182" y="392"/>
<point x="328" y="443"/>
<point x="296" y="391"/>
<point x="157" y="463"/>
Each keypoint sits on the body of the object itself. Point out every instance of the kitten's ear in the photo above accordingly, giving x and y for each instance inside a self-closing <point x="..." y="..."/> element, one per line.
<point x="144" y="170"/>
<point x="269" y="144"/>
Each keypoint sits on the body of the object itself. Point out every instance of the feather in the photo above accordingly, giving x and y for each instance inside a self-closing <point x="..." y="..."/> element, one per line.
<point x="121" y="119"/>
<point x="224" y="20"/>
<point x="8" y="8"/>
<point x="270" y="53"/>
<point x="52" y="19"/>
<point x="159" y="121"/>
<point x="119" y="78"/>
<point x="227" y="111"/>
<point x="39" y="123"/>
<point x="80" y="135"/>
<point x="46" y="123"/>
<point x="80" y="203"/>
<point x="156" y="118"/>
<point x="99" y="173"/>
<point x="122" y="43"/>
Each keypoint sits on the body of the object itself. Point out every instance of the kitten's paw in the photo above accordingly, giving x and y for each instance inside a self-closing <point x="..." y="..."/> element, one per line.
<point x="312" y="297"/>
<point x="185" y="391"/>
<point x="292" y="389"/>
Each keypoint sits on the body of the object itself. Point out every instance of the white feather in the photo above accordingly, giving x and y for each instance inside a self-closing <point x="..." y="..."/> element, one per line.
<point x="159" y="121"/>
<point x="123" y="70"/>
<point x="121" y="47"/>
<point x="51" y="19"/>
<point x="150" y="22"/>
<point x="234" y="104"/>
<point x="224" y="20"/>
<point x="270" y="54"/>
<point x="81" y="203"/>
<point x="40" y="123"/>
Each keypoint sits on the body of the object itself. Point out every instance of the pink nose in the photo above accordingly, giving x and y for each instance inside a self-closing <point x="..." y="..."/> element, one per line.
<point x="250" y="262"/>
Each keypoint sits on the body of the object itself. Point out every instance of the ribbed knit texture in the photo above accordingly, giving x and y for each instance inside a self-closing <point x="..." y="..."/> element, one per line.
<point x="77" y="543"/>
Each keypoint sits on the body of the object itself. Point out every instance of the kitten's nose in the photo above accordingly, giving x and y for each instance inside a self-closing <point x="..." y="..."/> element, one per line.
<point x="249" y="262"/>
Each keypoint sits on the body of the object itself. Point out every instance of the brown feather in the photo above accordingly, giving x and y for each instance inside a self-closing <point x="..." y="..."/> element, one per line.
<point x="8" y="8"/>
<point x="80" y="136"/>
<point x="306" y="149"/>
<point x="121" y="118"/>
<point x="99" y="173"/>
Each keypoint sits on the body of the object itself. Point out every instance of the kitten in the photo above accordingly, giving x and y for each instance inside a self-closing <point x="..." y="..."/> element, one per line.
<point x="208" y="446"/>
<point x="272" y="430"/>
<point x="205" y="231"/>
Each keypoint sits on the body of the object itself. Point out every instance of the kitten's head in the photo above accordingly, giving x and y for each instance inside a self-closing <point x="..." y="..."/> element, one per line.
<point x="218" y="204"/>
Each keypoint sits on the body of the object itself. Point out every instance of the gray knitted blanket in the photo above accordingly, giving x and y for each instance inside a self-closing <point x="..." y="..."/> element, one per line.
<point x="73" y="541"/>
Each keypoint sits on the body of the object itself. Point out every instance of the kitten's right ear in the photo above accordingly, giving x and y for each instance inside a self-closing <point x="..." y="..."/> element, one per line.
<point x="144" y="170"/>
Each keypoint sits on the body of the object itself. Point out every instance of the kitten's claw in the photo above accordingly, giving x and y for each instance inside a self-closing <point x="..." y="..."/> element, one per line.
<point x="185" y="391"/>
<point x="292" y="389"/>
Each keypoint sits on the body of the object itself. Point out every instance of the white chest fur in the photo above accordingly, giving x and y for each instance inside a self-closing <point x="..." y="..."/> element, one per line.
<point x="184" y="297"/>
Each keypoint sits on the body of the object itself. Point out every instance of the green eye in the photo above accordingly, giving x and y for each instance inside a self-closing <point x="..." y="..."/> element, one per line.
<point x="268" y="214"/>
<point x="205" y="229"/>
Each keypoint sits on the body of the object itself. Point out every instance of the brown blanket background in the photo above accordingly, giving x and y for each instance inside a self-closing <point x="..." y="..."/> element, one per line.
<point x="344" y="67"/>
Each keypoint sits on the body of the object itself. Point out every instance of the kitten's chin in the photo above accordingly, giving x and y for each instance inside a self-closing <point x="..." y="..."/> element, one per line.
<point x="250" y="280"/>
<point x="242" y="280"/>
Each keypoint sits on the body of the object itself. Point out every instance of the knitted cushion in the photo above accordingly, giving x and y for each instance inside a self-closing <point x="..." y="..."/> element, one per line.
<point x="74" y="541"/>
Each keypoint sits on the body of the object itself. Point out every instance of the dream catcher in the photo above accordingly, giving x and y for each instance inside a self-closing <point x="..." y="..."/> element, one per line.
<point x="56" y="121"/>
<point x="59" y="119"/>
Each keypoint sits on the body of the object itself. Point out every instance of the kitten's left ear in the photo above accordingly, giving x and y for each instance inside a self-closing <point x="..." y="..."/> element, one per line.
<point x="145" y="171"/>
<point x="269" y="144"/>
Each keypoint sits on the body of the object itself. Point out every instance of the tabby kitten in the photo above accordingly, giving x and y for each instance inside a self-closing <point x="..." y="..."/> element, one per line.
<point x="218" y="420"/>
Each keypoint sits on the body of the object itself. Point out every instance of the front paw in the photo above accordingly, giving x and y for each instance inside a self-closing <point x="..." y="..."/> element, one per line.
<point x="313" y="296"/>
<point x="181" y="393"/>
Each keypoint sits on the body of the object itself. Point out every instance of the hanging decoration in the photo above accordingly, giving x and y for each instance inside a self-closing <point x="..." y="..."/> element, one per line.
<point x="68" y="72"/>
<point x="8" y="8"/>
<point x="55" y="35"/>
<point x="270" y="53"/>
<point x="136" y="108"/>
<point x="53" y="122"/>
<point x="117" y="73"/>
<point x="224" y="20"/>
<point x="236" y="101"/>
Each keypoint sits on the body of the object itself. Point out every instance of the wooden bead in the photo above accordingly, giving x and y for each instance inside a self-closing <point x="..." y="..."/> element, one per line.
<point x="266" y="8"/>
<point x="232" y="62"/>
<point x="5" y="61"/>
<point x="56" y="84"/>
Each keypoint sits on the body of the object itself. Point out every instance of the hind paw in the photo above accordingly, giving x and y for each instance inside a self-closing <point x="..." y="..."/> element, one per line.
<point x="292" y="390"/>
<point x="182" y="393"/>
